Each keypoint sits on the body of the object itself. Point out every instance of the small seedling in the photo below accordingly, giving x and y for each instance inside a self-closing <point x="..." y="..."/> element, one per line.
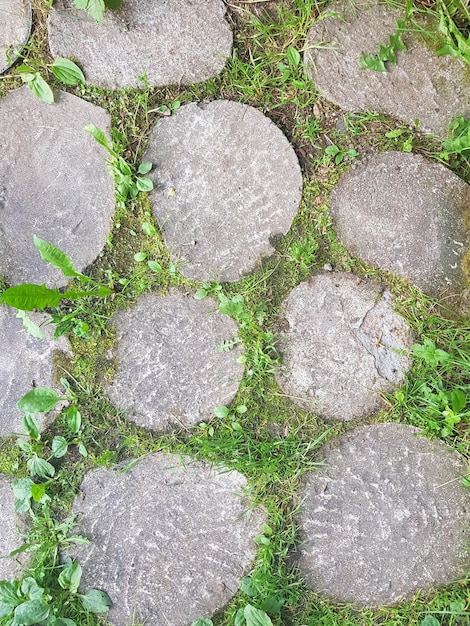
<point x="396" y="135"/>
<point x="339" y="154"/>
<point x="458" y="143"/>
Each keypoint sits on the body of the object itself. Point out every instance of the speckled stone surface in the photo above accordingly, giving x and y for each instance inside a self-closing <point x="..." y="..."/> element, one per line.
<point x="54" y="183"/>
<point x="227" y="181"/>
<point x="25" y="362"/>
<point x="387" y="516"/>
<point x="171" y="370"/>
<point x="433" y="89"/>
<point x="406" y="215"/>
<point x="168" y="542"/>
<point x="170" y="42"/>
<point x="15" y="28"/>
<point x="342" y="345"/>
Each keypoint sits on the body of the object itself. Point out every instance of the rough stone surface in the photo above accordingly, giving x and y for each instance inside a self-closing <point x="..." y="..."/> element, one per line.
<point x="170" y="42"/>
<point x="25" y="362"/>
<point x="169" y="543"/>
<point x="424" y="86"/>
<point x="10" y="538"/>
<point x="387" y="516"/>
<point x="342" y="345"/>
<point x="226" y="182"/>
<point x="406" y="215"/>
<point x="15" y="28"/>
<point x="54" y="183"/>
<point x="170" y="371"/>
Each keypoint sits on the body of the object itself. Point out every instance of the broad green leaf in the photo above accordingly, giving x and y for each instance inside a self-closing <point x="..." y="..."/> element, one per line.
<point x="30" y="426"/>
<point x="61" y="621"/>
<point x="28" y="297"/>
<point x="50" y="254"/>
<point x="100" y="137"/>
<point x="393" y="134"/>
<point x="221" y="411"/>
<point x="256" y="617"/>
<point x="154" y="266"/>
<point x="200" y="294"/>
<point x="205" y="621"/>
<point x="248" y="587"/>
<point x="293" y="56"/>
<point x="39" y="87"/>
<point x="75" y="294"/>
<point x="149" y="229"/>
<point x="332" y="150"/>
<point x="9" y="598"/>
<point x="38" y="400"/>
<point x="70" y="576"/>
<point x="113" y="4"/>
<point x="74" y="419"/>
<point x="67" y="72"/>
<point x="38" y="491"/>
<point x="31" y="328"/>
<point x="144" y="184"/>
<point x="95" y="8"/>
<point x="22" y="488"/>
<point x="24" y="445"/>
<point x="82" y="449"/>
<point x="80" y="4"/>
<point x="273" y="605"/>
<point x="30" y="588"/>
<point x="32" y="612"/>
<point x="430" y="620"/>
<point x="40" y="467"/>
<point x="139" y="257"/>
<point x="239" y="618"/>
<point x="145" y="167"/>
<point x="59" y="447"/>
<point x="459" y="400"/>
<point x="96" y="601"/>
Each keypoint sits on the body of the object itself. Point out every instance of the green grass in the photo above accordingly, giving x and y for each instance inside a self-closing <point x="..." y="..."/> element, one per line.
<point x="273" y="442"/>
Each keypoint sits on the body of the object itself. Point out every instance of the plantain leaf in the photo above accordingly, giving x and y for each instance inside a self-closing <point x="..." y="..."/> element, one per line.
<point x="67" y="72"/>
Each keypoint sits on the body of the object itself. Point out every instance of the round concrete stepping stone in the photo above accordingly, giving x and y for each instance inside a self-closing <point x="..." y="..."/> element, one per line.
<point x="170" y="368"/>
<point x="424" y="86"/>
<point x="226" y="182"/>
<point x="12" y="525"/>
<point x="54" y="183"/>
<point x="25" y="362"/>
<point x="168" y="42"/>
<point x="386" y="517"/>
<point x="342" y="346"/>
<point x="404" y="214"/>
<point x="15" y="28"/>
<point x="168" y="542"/>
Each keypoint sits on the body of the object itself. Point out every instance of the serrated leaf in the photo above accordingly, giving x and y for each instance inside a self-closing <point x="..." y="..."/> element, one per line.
<point x="59" y="446"/>
<point x="28" y="297"/>
<point x="53" y="255"/>
<point x="39" y="87"/>
<point x="96" y="601"/>
<point x="144" y="184"/>
<point x="30" y="327"/>
<point x="221" y="411"/>
<point x="67" y="72"/>
<point x="30" y="426"/>
<point x="70" y="577"/>
<point x="38" y="400"/>
<point x="256" y="617"/>
<point x="40" y="467"/>
<point x="145" y="167"/>
<point x="370" y="62"/>
<point x="32" y="612"/>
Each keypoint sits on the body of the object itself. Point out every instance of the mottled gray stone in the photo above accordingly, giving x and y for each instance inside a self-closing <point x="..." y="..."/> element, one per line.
<point x="386" y="517"/>
<point x="25" y="362"/>
<point x="405" y="215"/>
<point x="169" y="542"/>
<point x="15" y="28"/>
<point x="12" y="526"/>
<point x="226" y="182"/>
<point x="342" y="345"/>
<point x="54" y="183"/>
<point x="170" y="370"/>
<point x="170" y="42"/>
<point x="424" y="86"/>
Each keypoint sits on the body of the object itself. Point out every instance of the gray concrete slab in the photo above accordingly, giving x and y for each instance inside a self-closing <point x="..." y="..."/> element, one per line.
<point x="342" y="346"/>
<point x="170" y="372"/>
<point x="387" y="516"/>
<point x="54" y="183"/>
<point x="433" y="89"/>
<point x="226" y="182"/>
<point x="15" y="28"/>
<point x="25" y="362"/>
<point x="170" y="42"/>
<point x="168" y="542"/>
<point x="405" y="215"/>
<point x="13" y="526"/>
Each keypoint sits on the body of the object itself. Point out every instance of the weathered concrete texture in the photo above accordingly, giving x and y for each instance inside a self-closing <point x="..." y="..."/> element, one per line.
<point x="170" y="368"/>
<point x="405" y="215"/>
<point x="424" y="86"/>
<point x="226" y="181"/>
<point x="15" y="28"/>
<point x="54" y="183"/>
<point x="169" y="542"/>
<point x="25" y="362"/>
<point x="170" y="42"/>
<point x="342" y="345"/>
<point x="12" y="526"/>
<point x="387" y="517"/>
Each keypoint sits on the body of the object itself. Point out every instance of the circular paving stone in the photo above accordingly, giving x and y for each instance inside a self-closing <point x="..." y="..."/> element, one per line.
<point x="342" y="346"/>
<point x="167" y="42"/>
<point x="226" y="182"/>
<point x="54" y="183"/>
<point x="25" y="362"/>
<point x="422" y="85"/>
<point x="386" y="517"/>
<point x="405" y="215"/>
<point x="10" y="539"/>
<point x="171" y="370"/>
<point x="15" y="28"/>
<point x="168" y="542"/>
